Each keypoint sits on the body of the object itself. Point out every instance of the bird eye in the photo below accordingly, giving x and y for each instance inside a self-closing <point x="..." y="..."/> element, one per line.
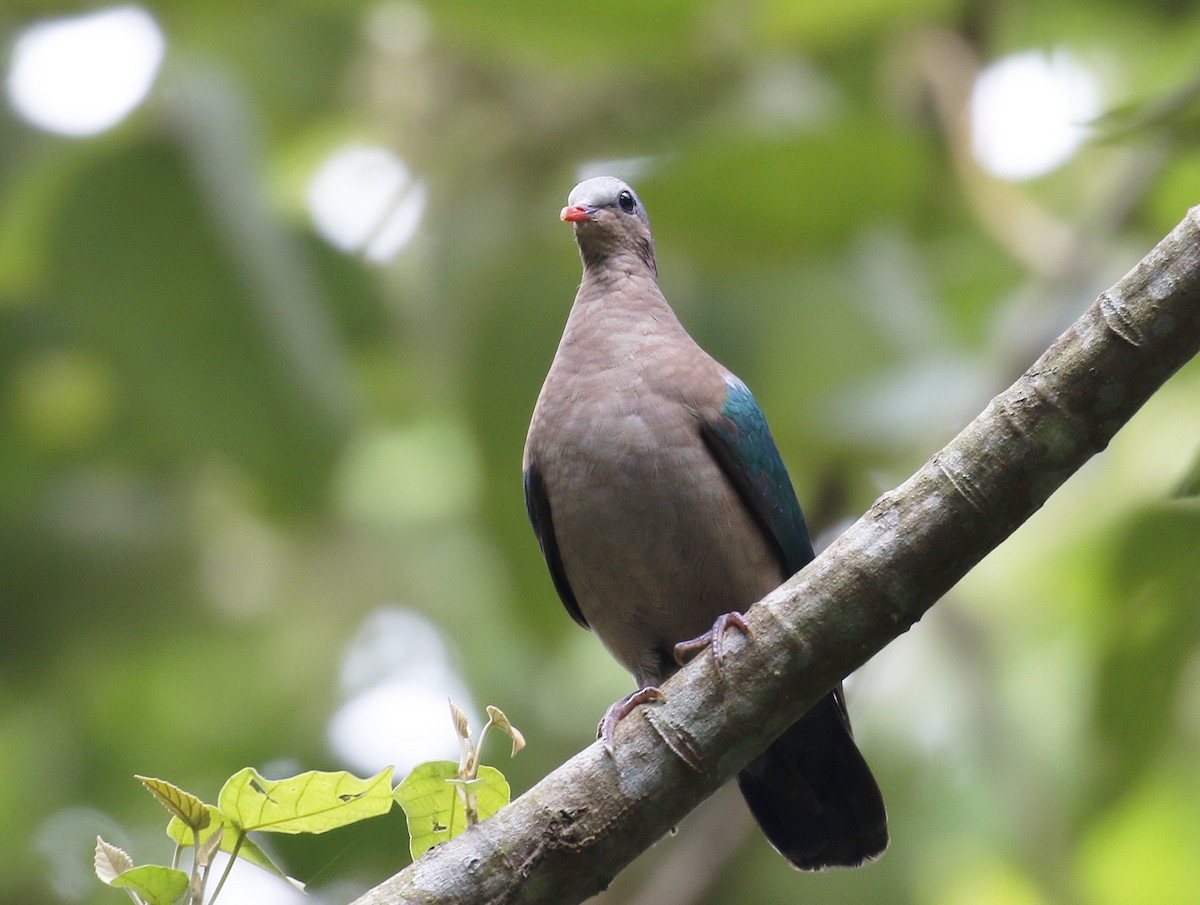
<point x="625" y="199"/>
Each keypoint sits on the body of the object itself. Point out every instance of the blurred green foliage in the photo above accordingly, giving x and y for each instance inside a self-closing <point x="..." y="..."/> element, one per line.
<point x="223" y="443"/>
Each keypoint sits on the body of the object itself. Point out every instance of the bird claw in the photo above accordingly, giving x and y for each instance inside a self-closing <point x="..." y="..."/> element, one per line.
<point x="621" y="709"/>
<point x="686" y="650"/>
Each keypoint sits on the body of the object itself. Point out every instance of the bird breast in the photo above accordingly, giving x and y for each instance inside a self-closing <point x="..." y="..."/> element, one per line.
<point x="654" y="540"/>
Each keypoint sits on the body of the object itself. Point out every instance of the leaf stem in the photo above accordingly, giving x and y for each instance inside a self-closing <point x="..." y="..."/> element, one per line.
<point x="477" y="753"/>
<point x="228" y="866"/>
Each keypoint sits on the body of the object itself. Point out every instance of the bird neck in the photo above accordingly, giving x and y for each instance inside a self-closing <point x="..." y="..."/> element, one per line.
<point x="601" y="257"/>
<point x="616" y="289"/>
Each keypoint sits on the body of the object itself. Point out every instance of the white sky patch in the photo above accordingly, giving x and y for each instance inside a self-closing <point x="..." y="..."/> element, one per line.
<point x="251" y="885"/>
<point x="1030" y="113"/>
<point x="625" y="168"/>
<point x="84" y="74"/>
<point x="398" y="676"/>
<point x="363" y="198"/>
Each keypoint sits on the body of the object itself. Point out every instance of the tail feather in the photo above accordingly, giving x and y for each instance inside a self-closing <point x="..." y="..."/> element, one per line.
<point x="813" y="794"/>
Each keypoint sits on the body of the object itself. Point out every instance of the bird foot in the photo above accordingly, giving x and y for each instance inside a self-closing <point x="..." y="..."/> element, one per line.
<point x="686" y="650"/>
<point x="621" y="709"/>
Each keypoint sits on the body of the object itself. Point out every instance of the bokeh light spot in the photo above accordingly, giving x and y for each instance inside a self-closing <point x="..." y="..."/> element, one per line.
<point x="397" y="675"/>
<point x="84" y="74"/>
<point x="364" y="199"/>
<point x="1030" y="113"/>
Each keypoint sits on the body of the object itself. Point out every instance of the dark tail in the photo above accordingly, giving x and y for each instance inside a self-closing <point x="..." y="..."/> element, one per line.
<point x="813" y="793"/>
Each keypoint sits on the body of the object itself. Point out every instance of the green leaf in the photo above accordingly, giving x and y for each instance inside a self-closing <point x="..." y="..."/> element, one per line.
<point x="184" y="805"/>
<point x="535" y="29"/>
<point x="1153" y="633"/>
<point x="154" y="884"/>
<point x="434" y="807"/>
<point x="312" y="802"/>
<point x="841" y="177"/>
<point x="783" y="22"/>
<point x="171" y="300"/>
<point x="247" y="851"/>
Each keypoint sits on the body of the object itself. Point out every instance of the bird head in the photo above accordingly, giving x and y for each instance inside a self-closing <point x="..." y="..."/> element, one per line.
<point x="609" y="221"/>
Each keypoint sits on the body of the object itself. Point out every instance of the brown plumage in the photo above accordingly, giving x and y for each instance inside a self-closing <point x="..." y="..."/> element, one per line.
<point x="661" y="503"/>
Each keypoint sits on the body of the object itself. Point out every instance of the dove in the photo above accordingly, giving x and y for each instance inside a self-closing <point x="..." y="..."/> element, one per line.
<point x="664" y="510"/>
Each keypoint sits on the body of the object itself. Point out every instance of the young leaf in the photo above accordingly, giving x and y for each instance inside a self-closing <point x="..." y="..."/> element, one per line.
<point x="111" y="861"/>
<point x="501" y="722"/>
<point x="155" y="885"/>
<point x="312" y="802"/>
<point x="209" y="848"/>
<point x="461" y="726"/>
<point x="433" y="806"/>
<point x="184" y="805"/>
<point x="467" y="751"/>
<point x="228" y="841"/>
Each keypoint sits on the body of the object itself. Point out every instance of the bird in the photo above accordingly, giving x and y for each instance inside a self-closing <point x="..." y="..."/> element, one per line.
<point x="663" y="510"/>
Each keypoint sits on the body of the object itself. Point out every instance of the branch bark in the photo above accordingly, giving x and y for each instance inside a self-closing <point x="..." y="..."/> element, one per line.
<point x="565" y="838"/>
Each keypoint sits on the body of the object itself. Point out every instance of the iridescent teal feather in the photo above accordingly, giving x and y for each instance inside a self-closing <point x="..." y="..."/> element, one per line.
<point x="742" y="443"/>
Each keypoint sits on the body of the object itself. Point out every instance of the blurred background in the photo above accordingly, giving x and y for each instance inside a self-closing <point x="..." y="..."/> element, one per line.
<point x="279" y="283"/>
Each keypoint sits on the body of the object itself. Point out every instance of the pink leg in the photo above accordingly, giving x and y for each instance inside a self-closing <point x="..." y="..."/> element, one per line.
<point x="621" y="709"/>
<point x="686" y="650"/>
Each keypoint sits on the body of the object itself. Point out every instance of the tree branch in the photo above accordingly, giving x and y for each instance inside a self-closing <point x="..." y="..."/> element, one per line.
<point x="565" y="838"/>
